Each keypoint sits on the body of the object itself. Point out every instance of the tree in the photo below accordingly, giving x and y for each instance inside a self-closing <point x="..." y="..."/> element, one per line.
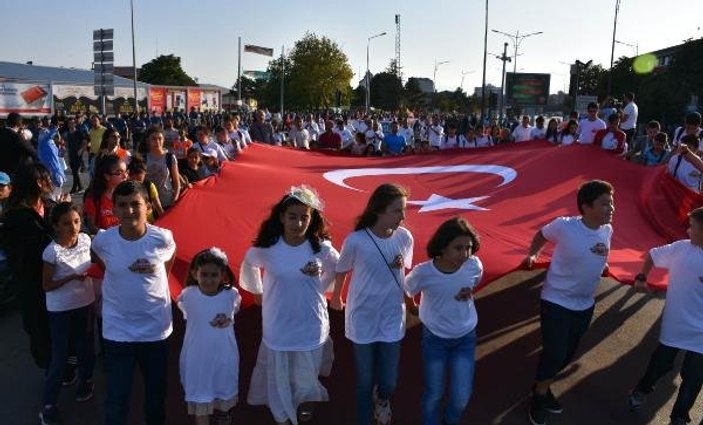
<point x="386" y="88"/>
<point x="414" y="97"/>
<point x="165" y="70"/>
<point x="315" y="70"/>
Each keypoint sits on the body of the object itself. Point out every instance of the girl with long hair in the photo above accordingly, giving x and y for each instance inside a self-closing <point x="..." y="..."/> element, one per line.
<point x="378" y="252"/>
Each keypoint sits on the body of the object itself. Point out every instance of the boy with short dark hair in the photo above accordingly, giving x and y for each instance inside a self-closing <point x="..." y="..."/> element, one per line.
<point x="682" y="319"/>
<point x="136" y="309"/>
<point x="582" y="245"/>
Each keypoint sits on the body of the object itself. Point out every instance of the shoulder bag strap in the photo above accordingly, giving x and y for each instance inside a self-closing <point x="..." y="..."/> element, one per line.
<point x="385" y="261"/>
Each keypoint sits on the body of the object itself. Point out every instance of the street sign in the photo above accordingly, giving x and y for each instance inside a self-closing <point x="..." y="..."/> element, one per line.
<point x="102" y="46"/>
<point x="104" y="91"/>
<point x="103" y="56"/>
<point x="105" y="68"/>
<point x="103" y="34"/>
<point x="104" y="79"/>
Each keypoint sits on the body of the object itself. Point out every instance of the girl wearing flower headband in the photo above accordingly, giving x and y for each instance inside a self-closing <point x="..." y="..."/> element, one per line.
<point x="378" y="251"/>
<point x="293" y="248"/>
<point x="209" y="360"/>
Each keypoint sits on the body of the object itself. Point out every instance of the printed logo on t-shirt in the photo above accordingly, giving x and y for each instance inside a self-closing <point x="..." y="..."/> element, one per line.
<point x="466" y="293"/>
<point x="312" y="268"/>
<point x="397" y="262"/>
<point x="600" y="249"/>
<point x="143" y="266"/>
<point x="221" y="320"/>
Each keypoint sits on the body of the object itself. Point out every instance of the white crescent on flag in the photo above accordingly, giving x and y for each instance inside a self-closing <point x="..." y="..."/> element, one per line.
<point x="434" y="202"/>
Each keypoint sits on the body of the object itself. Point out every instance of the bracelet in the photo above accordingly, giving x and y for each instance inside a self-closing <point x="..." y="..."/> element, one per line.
<point x="641" y="277"/>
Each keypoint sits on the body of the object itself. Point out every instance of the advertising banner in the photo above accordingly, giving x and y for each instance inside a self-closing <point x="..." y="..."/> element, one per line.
<point x="157" y="99"/>
<point x="193" y="100"/>
<point x="74" y="99"/>
<point x="209" y="101"/>
<point x="527" y="89"/>
<point x="25" y="98"/>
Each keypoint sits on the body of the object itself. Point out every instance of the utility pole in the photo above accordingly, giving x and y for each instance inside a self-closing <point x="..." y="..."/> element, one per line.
<point x="505" y="58"/>
<point x="612" y="47"/>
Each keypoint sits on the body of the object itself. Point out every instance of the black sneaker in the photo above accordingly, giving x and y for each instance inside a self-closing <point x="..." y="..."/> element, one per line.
<point x="537" y="414"/>
<point x="85" y="390"/>
<point x="49" y="415"/>
<point x="636" y="399"/>
<point x="69" y="376"/>
<point x="551" y="404"/>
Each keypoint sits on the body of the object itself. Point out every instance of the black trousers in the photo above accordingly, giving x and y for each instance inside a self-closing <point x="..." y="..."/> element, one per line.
<point x="661" y="362"/>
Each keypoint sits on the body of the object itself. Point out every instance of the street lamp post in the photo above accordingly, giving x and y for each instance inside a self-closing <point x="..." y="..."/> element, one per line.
<point x="635" y="46"/>
<point x="517" y="39"/>
<point x="368" y="83"/>
<point x="463" y="74"/>
<point x="612" y="47"/>
<point x="485" y="55"/>
<point x="134" y="59"/>
<point x="505" y="58"/>
<point x="434" y="76"/>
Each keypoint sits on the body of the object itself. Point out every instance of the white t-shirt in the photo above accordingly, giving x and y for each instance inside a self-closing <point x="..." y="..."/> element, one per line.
<point x="440" y="311"/>
<point x="686" y="173"/>
<point x="136" y="300"/>
<point x="209" y="361"/>
<point x="408" y="134"/>
<point x="211" y="148"/>
<point x="537" y="133"/>
<point x="631" y="111"/>
<point x="580" y="255"/>
<point x="682" y="319"/>
<point x="374" y="138"/>
<point x="568" y="139"/>
<point x="588" y="129"/>
<point x="484" y="141"/>
<point x="294" y="311"/>
<point x="67" y="261"/>
<point x="680" y="132"/>
<point x="522" y="134"/>
<point x="435" y="134"/>
<point x="313" y="129"/>
<point x="346" y="136"/>
<point x="465" y="143"/>
<point x="375" y="310"/>
<point x="449" y="142"/>
<point x="300" y="138"/>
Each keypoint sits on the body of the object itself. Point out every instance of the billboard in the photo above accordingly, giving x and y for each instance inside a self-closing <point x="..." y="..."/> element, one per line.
<point x="527" y="89"/>
<point x="157" y="100"/>
<point x="193" y="100"/>
<point x="25" y="98"/>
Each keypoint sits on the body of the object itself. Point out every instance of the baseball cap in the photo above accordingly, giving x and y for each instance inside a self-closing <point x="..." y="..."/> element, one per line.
<point x="4" y="179"/>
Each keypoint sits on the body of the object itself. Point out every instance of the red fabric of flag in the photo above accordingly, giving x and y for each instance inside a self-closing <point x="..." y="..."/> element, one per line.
<point x="507" y="192"/>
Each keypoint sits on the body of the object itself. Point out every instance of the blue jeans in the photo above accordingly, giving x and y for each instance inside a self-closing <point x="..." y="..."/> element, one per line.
<point x="441" y="357"/>
<point x="120" y="360"/>
<point x="376" y="364"/>
<point x="77" y="324"/>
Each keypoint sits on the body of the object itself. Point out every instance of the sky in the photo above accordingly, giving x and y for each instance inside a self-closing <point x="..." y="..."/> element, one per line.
<point x="204" y="33"/>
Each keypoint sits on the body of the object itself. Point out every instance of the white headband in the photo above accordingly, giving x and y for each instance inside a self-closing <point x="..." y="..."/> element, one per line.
<point x="218" y="253"/>
<point x="307" y="196"/>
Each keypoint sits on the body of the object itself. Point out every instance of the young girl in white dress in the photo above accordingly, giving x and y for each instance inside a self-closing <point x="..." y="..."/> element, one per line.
<point x="210" y="357"/>
<point x="293" y="249"/>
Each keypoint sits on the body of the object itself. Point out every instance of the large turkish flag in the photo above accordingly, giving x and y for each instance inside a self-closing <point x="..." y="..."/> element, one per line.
<point x="507" y="192"/>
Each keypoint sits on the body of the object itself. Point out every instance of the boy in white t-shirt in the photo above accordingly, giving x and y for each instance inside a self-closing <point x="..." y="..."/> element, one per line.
<point x="686" y="165"/>
<point x="137" y="258"/>
<point x="582" y="245"/>
<point x="682" y="319"/>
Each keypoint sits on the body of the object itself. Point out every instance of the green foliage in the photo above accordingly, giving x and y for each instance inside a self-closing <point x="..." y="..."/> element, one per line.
<point x="386" y="91"/>
<point x="315" y="70"/>
<point x="165" y="70"/>
<point x="414" y="97"/>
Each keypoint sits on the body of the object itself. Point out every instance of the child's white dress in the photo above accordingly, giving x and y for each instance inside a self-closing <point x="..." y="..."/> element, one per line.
<point x="209" y="360"/>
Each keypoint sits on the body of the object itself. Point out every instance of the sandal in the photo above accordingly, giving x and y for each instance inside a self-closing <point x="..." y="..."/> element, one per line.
<point x="305" y="411"/>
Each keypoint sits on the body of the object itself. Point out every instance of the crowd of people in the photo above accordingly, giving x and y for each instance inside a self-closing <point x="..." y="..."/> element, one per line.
<point x="106" y="263"/>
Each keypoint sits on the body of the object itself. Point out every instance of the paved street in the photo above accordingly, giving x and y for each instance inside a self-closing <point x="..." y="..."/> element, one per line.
<point x="613" y="355"/>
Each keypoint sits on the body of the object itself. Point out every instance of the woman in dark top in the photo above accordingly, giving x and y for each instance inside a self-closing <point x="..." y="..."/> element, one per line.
<point x="26" y="233"/>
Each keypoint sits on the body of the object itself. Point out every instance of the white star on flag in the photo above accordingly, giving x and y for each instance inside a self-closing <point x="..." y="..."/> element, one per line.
<point x="438" y="202"/>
